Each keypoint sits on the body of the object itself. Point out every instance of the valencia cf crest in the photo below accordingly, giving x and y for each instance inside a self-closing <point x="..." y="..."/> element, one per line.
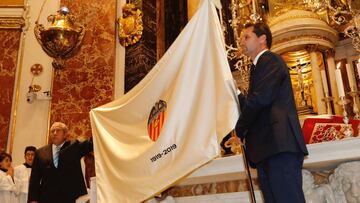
<point x="156" y="120"/>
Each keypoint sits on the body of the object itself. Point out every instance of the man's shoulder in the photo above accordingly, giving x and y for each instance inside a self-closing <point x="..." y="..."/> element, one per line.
<point x="43" y="151"/>
<point x="44" y="148"/>
<point x="268" y="55"/>
<point x="271" y="58"/>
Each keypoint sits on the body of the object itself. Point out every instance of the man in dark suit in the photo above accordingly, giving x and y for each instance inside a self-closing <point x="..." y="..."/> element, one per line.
<point x="269" y="125"/>
<point x="56" y="175"/>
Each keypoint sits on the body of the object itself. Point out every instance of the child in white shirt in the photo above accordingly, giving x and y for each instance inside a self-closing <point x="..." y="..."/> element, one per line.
<point x="8" y="189"/>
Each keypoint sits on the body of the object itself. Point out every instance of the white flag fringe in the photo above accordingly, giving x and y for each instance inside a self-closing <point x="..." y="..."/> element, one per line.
<point x="172" y="121"/>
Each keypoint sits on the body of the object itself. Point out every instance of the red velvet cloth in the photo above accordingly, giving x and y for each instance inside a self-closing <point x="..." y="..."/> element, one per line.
<point x="326" y="129"/>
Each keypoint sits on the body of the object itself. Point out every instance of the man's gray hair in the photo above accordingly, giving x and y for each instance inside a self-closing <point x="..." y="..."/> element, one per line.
<point x="59" y="125"/>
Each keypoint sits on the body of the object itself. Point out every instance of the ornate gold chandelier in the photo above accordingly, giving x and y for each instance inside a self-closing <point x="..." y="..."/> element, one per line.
<point x="62" y="38"/>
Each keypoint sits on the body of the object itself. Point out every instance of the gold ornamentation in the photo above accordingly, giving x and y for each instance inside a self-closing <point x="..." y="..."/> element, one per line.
<point x="295" y="14"/>
<point x="62" y="38"/>
<point x="11" y="23"/>
<point x="298" y="37"/>
<point x="130" y="25"/>
<point x="353" y="31"/>
<point x="234" y="143"/>
<point x="34" y="88"/>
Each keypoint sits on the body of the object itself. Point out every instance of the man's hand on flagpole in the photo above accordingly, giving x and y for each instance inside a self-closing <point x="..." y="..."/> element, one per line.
<point x="238" y="140"/>
<point x="238" y="92"/>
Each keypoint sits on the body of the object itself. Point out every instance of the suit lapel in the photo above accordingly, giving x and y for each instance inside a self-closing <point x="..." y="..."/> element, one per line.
<point x="255" y="70"/>
<point x="251" y="81"/>
<point x="65" y="145"/>
<point x="47" y="155"/>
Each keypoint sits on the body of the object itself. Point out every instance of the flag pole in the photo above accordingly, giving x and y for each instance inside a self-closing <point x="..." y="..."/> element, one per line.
<point x="247" y="171"/>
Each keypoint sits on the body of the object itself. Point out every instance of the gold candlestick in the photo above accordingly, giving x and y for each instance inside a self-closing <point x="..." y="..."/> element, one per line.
<point x="327" y="99"/>
<point x="354" y="95"/>
<point x="348" y="132"/>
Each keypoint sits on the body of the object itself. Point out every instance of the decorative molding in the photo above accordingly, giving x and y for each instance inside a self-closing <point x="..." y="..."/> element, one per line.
<point x="233" y="197"/>
<point x="316" y="37"/>
<point x="312" y="48"/>
<point x="11" y="23"/>
<point x="12" y="18"/>
<point x="295" y="29"/>
<point x="234" y="185"/>
<point x="12" y="11"/>
<point x="301" y="41"/>
<point x="294" y="14"/>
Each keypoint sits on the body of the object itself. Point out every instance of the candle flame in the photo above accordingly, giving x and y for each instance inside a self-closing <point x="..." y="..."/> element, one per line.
<point x="359" y="60"/>
<point x="338" y="65"/>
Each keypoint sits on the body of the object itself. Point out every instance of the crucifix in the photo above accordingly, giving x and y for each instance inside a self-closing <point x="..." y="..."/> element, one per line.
<point x="298" y="68"/>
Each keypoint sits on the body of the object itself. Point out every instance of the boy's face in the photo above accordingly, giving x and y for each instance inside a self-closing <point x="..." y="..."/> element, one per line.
<point x="6" y="163"/>
<point x="29" y="157"/>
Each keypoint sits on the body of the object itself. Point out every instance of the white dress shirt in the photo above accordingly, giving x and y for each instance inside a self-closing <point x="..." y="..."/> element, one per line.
<point x="258" y="56"/>
<point x="21" y="178"/>
<point x="8" y="189"/>
<point x="54" y="148"/>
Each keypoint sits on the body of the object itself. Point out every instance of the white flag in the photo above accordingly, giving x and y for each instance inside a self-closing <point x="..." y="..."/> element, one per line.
<point x="172" y="121"/>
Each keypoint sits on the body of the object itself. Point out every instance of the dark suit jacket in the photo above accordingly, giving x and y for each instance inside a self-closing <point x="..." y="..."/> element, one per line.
<point x="269" y="122"/>
<point x="63" y="184"/>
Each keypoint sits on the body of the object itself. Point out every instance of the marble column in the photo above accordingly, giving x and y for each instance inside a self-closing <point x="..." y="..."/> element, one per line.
<point x="319" y="92"/>
<point x="9" y="45"/>
<point x="330" y="60"/>
<point x="140" y="57"/>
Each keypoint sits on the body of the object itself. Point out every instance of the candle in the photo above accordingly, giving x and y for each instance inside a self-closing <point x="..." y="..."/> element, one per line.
<point x="254" y="6"/>
<point x="351" y="78"/>
<point x="339" y="81"/>
<point x="324" y="82"/>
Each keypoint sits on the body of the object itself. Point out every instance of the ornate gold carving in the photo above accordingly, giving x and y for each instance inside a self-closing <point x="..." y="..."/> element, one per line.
<point x="280" y="7"/>
<point x="299" y="14"/>
<point x="11" y="23"/>
<point x="62" y="38"/>
<point x="130" y="25"/>
<point x="286" y="40"/>
<point x="242" y="77"/>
